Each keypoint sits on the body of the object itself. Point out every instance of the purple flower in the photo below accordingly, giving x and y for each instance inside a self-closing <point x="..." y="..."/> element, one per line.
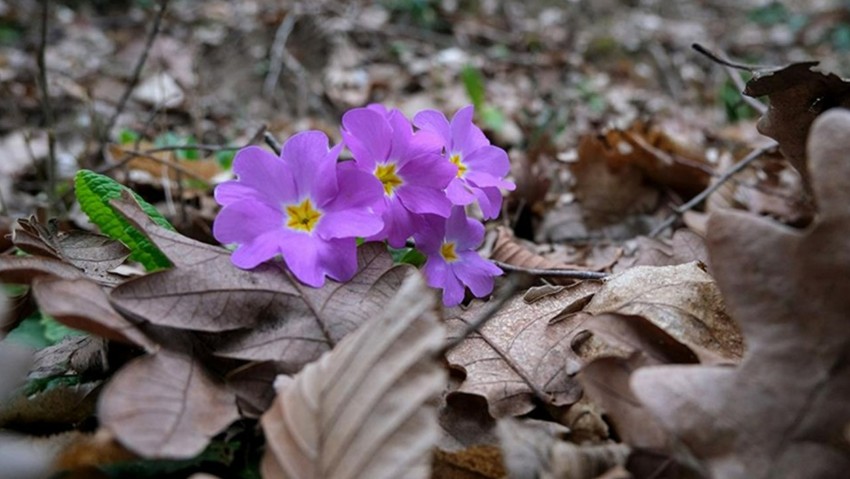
<point x="303" y="206"/>
<point x="452" y="260"/>
<point x="481" y="167"/>
<point x="408" y="165"/>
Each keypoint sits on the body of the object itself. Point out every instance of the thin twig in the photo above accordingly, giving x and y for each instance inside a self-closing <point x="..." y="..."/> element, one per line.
<point x="130" y="155"/>
<point x="723" y="61"/>
<point x="137" y="71"/>
<point x="272" y="142"/>
<point x="552" y="273"/>
<point x="756" y="105"/>
<point x="277" y="54"/>
<point x="696" y="200"/>
<point x="47" y="110"/>
<point x="502" y="296"/>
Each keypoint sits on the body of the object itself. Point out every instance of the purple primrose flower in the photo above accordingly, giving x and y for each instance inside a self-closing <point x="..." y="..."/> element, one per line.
<point x="303" y="206"/>
<point x="481" y="167"/>
<point x="408" y="165"/>
<point x="449" y="244"/>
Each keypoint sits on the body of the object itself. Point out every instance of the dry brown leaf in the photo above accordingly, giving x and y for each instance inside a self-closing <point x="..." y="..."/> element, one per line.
<point x="95" y="255"/>
<point x="524" y="347"/>
<point x="474" y="462"/>
<point x="367" y="408"/>
<point x="23" y="269"/>
<point x="82" y="304"/>
<point x="465" y="422"/>
<point x="532" y="451"/>
<point x="165" y="405"/>
<point x="319" y="318"/>
<point x="682" y="300"/>
<point x="798" y="93"/>
<point x="203" y="169"/>
<point x="783" y="412"/>
<point x="684" y="247"/>
<point x="508" y="249"/>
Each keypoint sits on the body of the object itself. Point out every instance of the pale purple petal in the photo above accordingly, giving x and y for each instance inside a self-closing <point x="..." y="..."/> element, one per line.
<point x="434" y="171"/>
<point x="348" y="224"/>
<point x="301" y="253"/>
<point x="357" y="189"/>
<point x="453" y="290"/>
<point x="262" y="248"/>
<point x="423" y="146"/>
<point x="488" y="159"/>
<point x="234" y="190"/>
<point x="264" y="172"/>
<point x="399" y="224"/>
<point x="401" y="136"/>
<point x="368" y="135"/>
<point x="458" y="193"/>
<point x="439" y="274"/>
<point x="476" y="273"/>
<point x="429" y="236"/>
<point x="490" y="201"/>
<point x="466" y="137"/>
<point x="435" y="121"/>
<point x="243" y="221"/>
<point x="485" y="180"/>
<point x="423" y="200"/>
<point x="466" y="232"/>
<point x="306" y="155"/>
<point x="338" y="258"/>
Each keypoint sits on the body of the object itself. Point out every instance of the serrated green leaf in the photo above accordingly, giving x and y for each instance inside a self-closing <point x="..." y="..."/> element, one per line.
<point x="94" y="191"/>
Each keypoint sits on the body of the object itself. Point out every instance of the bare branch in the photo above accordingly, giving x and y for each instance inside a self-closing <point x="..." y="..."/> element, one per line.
<point x="47" y="110"/>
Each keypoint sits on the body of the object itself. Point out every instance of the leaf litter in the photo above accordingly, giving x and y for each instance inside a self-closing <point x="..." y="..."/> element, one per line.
<point x="640" y="372"/>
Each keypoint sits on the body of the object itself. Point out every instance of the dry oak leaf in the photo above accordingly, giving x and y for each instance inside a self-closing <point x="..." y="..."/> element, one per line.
<point x="521" y="352"/>
<point x="82" y="304"/>
<point x="683" y="300"/>
<point x="368" y="407"/>
<point x="783" y="412"/>
<point x="165" y="405"/>
<point x="278" y="317"/>
<point x="798" y="94"/>
<point x="95" y="255"/>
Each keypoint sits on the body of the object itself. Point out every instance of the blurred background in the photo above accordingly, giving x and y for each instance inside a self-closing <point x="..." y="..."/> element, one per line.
<point x="541" y="74"/>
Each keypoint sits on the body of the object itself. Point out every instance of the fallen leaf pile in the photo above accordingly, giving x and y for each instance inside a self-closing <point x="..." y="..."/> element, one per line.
<point x="676" y="296"/>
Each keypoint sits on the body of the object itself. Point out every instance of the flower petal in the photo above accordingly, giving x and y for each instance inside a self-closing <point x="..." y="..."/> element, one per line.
<point x="256" y="251"/>
<point x="434" y="171"/>
<point x="429" y="236"/>
<point x="245" y="220"/>
<point x="267" y="174"/>
<point x="314" y="170"/>
<point x="490" y="201"/>
<point x="458" y="193"/>
<point x="488" y="159"/>
<point x="301" y="253"/>
<point x="399" y="224"/>
<point x="348" y="223"/>
<point x="466" y="137"/>
<point x="434" y="121"/>
<point x="486" y="180"/>
<point x="466" y="232"/>
<point x="423" y="200"/>
<point x="338" y="258"/>
<point x="476" y="273"/>
<point x="368" y="135"/>
<point x="357" y="189"/>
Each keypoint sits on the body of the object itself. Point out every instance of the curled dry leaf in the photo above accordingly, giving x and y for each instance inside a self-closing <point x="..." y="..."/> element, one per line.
<point x="684" y="247"/>
<point x="533" y="451"/>
<point x="23" y="269"/>
<point x="507" y="249"/>
<point x="82" y="304"/>
<point x="289" y="322"/>
<point x="367" y="408"/>
<point x="798" y="93"/>
<point x="783" y="412"/>
<point x="682" y="300"/>
<point x="165" y="405"/>
<point x="522" y="351"/>
<point x="93" y="254"/>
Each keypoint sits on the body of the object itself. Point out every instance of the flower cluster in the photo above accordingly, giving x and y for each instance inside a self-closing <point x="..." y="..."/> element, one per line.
<point x="403" y="183"/>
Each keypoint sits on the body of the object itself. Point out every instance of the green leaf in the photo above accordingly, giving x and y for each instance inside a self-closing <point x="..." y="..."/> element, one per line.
<point x="473" y="81"/>
<point x="407" y="255"/>
<point x="30" y="332"/>
<point x="126" y="137"/>
<point x="54" y="331"/>
<point x="94" y="191"/>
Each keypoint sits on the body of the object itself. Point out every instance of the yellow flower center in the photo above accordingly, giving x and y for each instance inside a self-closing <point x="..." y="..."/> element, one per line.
<point x="461" y="168"/>
<point x="302" y="217"/>
<point x="448" y="252"/>
<point x="386" y="173"/>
